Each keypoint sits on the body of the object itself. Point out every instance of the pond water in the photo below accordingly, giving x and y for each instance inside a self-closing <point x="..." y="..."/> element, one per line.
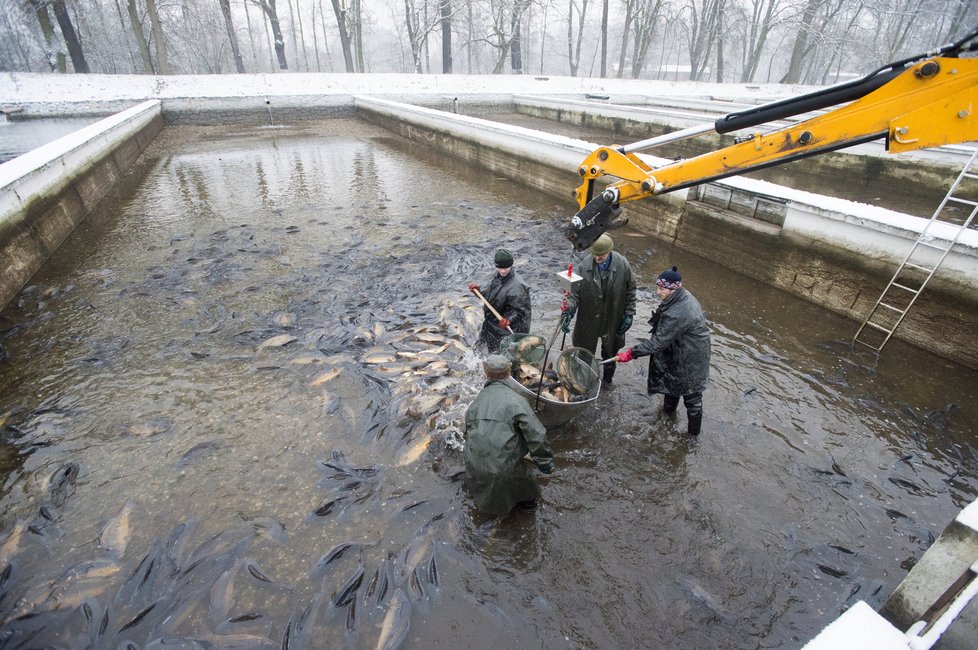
<point x="230" y="409"/>
<point x="20" y="136"/>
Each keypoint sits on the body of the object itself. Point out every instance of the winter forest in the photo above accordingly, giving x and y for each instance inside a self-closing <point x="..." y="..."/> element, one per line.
<point x="761" y="41"/>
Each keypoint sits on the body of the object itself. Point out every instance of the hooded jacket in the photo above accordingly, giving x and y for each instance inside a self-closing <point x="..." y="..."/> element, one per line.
<point x="679" y="347"/>
<point x="500" y="429"/>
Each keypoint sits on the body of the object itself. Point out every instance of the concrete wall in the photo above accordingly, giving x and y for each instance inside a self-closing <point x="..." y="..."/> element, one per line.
<point x="830" y="251"/>
<point x="45" y="193"/>
<point x="951" y="559"/>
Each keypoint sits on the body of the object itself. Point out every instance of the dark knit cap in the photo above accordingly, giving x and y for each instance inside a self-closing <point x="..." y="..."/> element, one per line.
<point x="670" y="279"/>
<point x="504" y="259"/>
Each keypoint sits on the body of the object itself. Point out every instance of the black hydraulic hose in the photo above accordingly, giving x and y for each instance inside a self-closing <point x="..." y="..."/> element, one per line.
<point x="846" y="92"/>
<point x="819" y="99"/>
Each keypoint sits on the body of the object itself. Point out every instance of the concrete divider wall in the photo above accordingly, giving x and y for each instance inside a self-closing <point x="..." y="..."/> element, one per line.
<point x="833" y="252"/>
<point x="45" y="193"/>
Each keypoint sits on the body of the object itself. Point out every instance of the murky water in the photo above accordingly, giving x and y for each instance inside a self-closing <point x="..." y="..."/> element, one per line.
<point x="20" y="136"/>
<point x="256" y="354"/>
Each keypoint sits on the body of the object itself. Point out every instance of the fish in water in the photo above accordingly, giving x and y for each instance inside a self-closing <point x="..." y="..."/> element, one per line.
<point x="115" y="534"/>
<point x="413" y="453"/>
<point x="325" y="377"/>
<point x="277" y="341"/>
<point x="397" y="622"/>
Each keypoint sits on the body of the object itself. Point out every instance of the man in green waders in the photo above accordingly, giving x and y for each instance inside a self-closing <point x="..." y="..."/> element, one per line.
<point x="604" y="302"/>
<point x="500" y="430"/>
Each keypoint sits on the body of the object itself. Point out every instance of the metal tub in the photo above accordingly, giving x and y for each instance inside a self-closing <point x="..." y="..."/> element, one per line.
<point x="553" y="413"/>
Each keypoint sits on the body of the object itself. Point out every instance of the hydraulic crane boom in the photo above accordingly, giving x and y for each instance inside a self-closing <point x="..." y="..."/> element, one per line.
<point x="922" y="101"/>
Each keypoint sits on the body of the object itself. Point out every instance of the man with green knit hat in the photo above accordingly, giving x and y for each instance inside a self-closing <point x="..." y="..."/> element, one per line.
<point x="510" y="297"/>
<point x="604" y="302"/>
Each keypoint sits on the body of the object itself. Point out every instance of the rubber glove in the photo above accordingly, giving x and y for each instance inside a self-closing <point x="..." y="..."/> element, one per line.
<point x="626" y="323"/>
<point x="504" y="323"/>
<point x="473" y="287"/>
<point x="547" y="467"/>
<point x="565" y="321"/>
<point x="624" y="356"/>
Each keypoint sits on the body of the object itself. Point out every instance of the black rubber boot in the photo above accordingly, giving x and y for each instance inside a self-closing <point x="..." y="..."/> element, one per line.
<point x="670" y="403"/>
<point x="609" y="372"/>
<point x="695" y="421"/>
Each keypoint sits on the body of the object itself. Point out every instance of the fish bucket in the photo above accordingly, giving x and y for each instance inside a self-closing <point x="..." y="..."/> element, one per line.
<point x="578" y="370"/>
<point x="523" y="348"/>
<point x="554" y="413"/>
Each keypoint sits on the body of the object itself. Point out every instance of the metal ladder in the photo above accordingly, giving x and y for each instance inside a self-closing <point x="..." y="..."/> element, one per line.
<point x="905" y="285"/>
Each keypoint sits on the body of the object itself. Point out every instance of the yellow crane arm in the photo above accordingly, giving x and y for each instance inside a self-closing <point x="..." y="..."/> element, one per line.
<point x="915" y="103"/>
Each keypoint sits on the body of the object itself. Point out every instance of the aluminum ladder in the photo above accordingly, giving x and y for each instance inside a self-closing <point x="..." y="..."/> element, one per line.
<point x="906" y="284"/>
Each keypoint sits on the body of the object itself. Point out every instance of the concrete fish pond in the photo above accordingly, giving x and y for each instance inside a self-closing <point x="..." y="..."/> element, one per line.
<point x="230" y="409"/>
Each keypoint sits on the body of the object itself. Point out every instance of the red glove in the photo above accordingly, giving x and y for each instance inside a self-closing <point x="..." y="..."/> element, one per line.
<point x="504" y="323"/>
<point x="473" y="287"/>
<point x="624" y="356"/>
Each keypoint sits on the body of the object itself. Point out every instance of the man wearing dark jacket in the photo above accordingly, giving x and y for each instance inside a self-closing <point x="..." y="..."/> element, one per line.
<point x="679" y="350"/>
<point x="510" y="296"/>
<point x="604" y="302"/>
<point x="500" y="429"/>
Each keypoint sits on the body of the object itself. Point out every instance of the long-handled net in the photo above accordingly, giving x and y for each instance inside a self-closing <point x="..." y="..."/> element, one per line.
<point x="578" y="370"/>
<point x="523" y="348"/>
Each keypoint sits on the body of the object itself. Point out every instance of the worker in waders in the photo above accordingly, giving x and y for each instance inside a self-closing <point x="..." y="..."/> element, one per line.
<point x="508" y="309"/>
<point x="500" y="430"/>
<point x="604" y="302"/>
<point x="678" y="350"/>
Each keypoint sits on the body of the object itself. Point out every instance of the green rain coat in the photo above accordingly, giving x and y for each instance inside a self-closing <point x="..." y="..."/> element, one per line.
<point x="601" y="304"/>
<point x="500" y="429"/>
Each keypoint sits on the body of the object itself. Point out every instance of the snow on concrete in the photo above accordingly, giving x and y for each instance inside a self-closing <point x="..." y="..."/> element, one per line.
<point x="859" y="628"/>
<point x="969" y="516"/>
<point x="18" y="87"/>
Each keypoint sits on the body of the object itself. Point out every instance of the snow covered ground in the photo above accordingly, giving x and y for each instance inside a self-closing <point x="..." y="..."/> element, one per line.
<point x="23" y="88"/>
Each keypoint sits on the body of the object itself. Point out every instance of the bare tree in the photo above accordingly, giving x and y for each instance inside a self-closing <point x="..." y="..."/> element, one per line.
<point x="446" y="36"/>
<point x="75" y="51"/>
<point x="137" y="30"/>
<point x="55" y="57"/>
<point x="268" y="8"/>
<point x="516" y="40"/>
<point x="322" y="18"/>
<point x="574" y="40"/>
<point x="162" y="65"/>
<point x="339" y="8"/>
<point x="764" y="16"/>
<point x="647" y="14"/>
<point x="232" y="37"/>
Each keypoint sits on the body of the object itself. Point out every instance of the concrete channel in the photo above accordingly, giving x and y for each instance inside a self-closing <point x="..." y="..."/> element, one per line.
<point x="835" y="253"/>
<point x="830" y="251"/>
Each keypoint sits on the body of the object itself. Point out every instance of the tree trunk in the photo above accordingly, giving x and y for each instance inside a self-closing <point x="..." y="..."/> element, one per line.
<point x="55" y="57"/>
<point x="295" y="40"/>
<point x="78" y="61"/>
<point x="137" y="29"/>
<point x="410" y="23"/>
<point x="574" y="45"/>
<point x="357" y="11"/>
<point x="446" y="36"/>
<point x="322" y="19"/>
<point x="232" y="37"/>
<point x="516" y="40"/>
<point x="718" y="36"/>
<point x="341" y="22"/>
<point x="646" y="19"/>
<point x="122" y="24"/>
<point x="162" y="67"/>
<point x="604" y="39"/>
<point x="268" y="6"/>
<point x="800" y="49"/>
